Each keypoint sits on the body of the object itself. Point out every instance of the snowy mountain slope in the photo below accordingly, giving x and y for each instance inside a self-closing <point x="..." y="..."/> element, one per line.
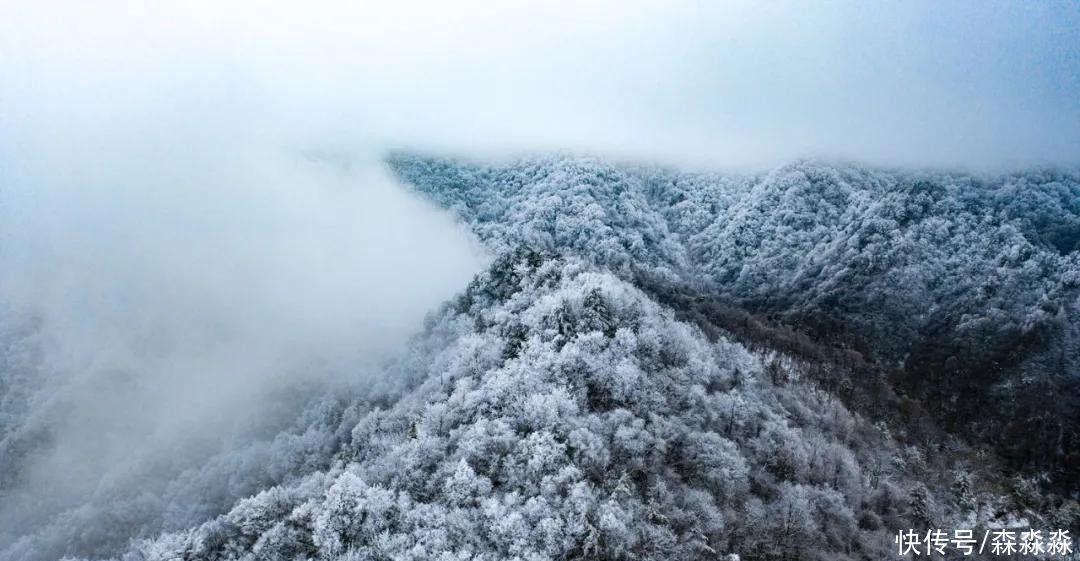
<point x="659" y="365"/>
<point x="570" y="417"/>
<point x="963" y="290"/>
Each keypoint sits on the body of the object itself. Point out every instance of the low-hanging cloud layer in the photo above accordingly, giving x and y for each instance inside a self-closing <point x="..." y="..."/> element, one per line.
<point x="965" y="84"/>
<point x="179" y="292"/>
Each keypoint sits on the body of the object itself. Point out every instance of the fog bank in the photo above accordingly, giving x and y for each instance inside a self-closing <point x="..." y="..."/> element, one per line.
<point x="172" y="289"/>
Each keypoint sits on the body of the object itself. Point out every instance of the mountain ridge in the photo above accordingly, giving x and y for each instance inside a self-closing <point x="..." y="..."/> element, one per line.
<point x="670" y="365"/>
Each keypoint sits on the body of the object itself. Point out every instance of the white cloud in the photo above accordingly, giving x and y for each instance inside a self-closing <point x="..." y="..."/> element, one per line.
<point x="733" y="83"/>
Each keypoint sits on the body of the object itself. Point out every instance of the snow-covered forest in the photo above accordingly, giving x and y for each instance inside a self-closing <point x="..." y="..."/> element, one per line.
<point x="657" y="364"/>
<point x="957" y="290"/>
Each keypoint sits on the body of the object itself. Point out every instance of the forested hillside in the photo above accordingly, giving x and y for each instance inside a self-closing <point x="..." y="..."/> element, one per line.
<point x="962" y="291"/>
<point x="567" y="416"/>
<point x="657" y="365"/>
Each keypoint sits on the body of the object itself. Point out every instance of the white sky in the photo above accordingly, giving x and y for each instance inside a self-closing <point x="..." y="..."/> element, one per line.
<point x="974" y="84"/>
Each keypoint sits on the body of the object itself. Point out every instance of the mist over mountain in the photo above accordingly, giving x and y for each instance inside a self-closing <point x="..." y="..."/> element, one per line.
<point x="536" y="281"/>
<point x="658" y="364"/>
<point x="162" y="348"/>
